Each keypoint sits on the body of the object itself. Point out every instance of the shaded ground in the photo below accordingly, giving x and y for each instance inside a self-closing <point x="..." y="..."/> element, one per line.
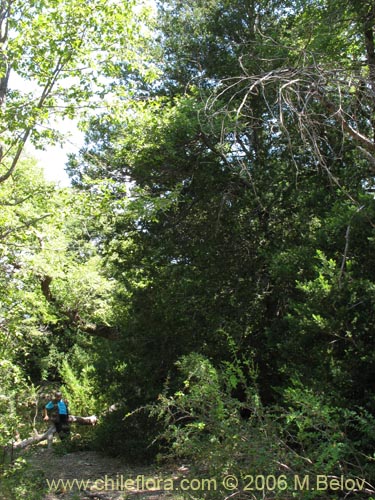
<point x="90" y="475"/>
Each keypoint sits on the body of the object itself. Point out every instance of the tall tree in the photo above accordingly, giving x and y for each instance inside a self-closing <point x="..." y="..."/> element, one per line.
<point x="250" y="178"/>
<point x="65" y="51"/>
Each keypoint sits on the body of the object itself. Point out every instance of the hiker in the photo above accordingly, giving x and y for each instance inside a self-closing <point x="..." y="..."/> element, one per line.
<point x="57" y="411"/>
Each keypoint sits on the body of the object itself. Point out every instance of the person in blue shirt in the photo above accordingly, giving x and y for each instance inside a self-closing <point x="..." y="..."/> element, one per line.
<point x="57" y="411"/>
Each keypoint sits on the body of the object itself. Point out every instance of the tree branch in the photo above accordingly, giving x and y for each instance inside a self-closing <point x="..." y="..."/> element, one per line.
<point x="26" y="224"/>
<point x="338" y="114"/>
<point x="345" y="254"/>
<point x="38" y="438"/>
<point x="103" y="331"/>
<point x="45" y="93"/>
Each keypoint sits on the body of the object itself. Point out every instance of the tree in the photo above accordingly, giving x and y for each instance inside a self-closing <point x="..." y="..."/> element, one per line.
<point x="53" y="294"/>
<point x="66" y="51"/>
<point x="248" y="232"/>
<point x="321" y="86"/>
<point x="55" y="301"/>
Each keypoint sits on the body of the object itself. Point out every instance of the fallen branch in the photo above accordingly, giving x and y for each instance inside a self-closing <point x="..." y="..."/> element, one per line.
<point x="93" y="420"/>
<point x="38" y="438"/>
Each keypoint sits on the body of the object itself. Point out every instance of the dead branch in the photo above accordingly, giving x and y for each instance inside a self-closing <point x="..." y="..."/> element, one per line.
<point x="92" y="420"/>
<point x="38" y="438"/>
<point x="338" y="114"/>
<point x="345" y="254"/>
<point x="315" y="96"/>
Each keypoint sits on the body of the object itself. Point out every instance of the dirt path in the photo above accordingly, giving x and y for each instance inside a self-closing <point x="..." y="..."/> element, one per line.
<point x="93" y="476"/>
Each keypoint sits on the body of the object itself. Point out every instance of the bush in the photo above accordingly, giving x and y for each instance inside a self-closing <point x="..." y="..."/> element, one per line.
<point x="129" y="436"/>
<point x="203" y="425"/>
<point x="19" y="481"/>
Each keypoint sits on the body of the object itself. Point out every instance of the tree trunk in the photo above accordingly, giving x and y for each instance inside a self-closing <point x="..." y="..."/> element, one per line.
<point x="38" y="438"/>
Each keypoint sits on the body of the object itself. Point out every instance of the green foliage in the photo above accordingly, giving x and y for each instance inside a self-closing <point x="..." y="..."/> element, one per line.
<point x="246" y="232"/>
<point x="205" y="426"/>
<point x="52" y="288"/>
<point x="23" y="209"/>
<point x="21" y="481"/>
<point x="68" y="50"/>
<point x="128" y="435"/>
<point x="223" y="230"/>
<point x="78" y="389"/>
<point x="17" y="399"/>
<point x="203" y="422"/>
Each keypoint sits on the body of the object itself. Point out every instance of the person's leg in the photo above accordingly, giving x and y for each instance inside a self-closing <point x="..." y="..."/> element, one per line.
<point x="64" y="430"/>
<point x="58" y="425"/>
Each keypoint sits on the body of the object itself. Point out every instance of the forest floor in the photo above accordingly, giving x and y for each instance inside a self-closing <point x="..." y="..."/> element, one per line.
<point x="88" y="475"/>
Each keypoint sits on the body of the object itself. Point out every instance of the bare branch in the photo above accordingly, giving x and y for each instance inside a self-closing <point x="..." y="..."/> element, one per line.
<point x="38" y="438"/>
<point x="345" y="255"/>
<point x="338" y="114"/>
